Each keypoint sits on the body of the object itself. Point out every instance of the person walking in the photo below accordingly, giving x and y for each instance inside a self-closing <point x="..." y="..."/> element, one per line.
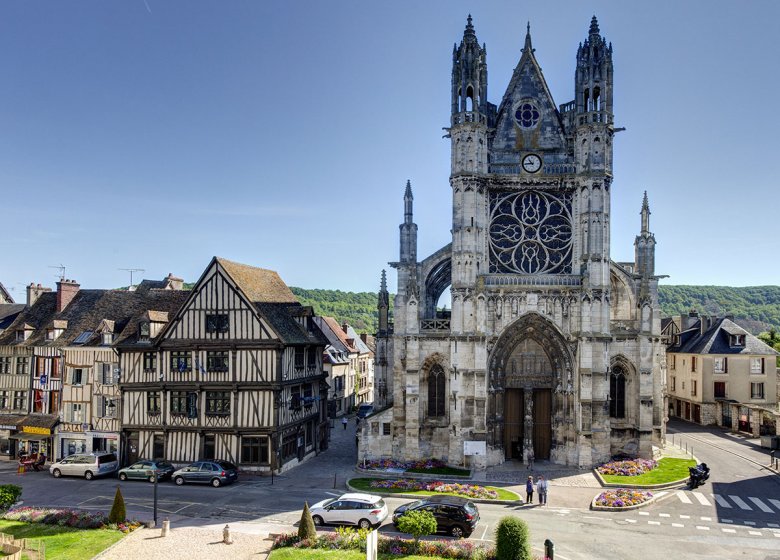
<point x="541" y="488"/>
<point x="529" y="490"/>
<point x="344" y="422"/>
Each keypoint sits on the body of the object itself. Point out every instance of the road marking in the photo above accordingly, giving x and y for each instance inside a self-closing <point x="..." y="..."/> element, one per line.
<point x="650" y="522"/>
<point x="643" y="513"/>
<point x="482" y="538"/>
<point x="702" y="528"/>
<point x="761" y="505"/>
<point x="727" y="530"/>
<point x="702" y="499"/>
<point x="775" y="503"/>
<point x="772" y="525"/>
<point x="677" y="525"/>
<point x="333" y="494"/>
<point x="756" y="533"/>
<point x="721" y="501"/>
<point x="685" y="516"/>
<point x="706" y="518"/>
<point x="737" y="500"/>
<point x="726" y="521"/>
<point x="751" y="523"/>
<point x="664" y="515"/>
<point x="630" y="520"/>
<point x="683" y="497"/>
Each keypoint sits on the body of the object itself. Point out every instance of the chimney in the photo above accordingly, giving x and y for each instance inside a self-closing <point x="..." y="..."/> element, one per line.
<point x="364" y="337"/>
<point x="345" y="328"/>
<point x="34" y="291"/>
<point x="66" y="291"/>
<point x="173" y="282"/>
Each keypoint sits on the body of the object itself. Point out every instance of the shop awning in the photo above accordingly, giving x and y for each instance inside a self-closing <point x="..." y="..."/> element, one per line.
<point x="22" y="436"/>
<point x="10" y="421"/>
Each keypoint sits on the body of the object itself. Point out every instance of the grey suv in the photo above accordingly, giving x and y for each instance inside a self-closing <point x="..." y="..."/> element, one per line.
<point x="215" y="473"/>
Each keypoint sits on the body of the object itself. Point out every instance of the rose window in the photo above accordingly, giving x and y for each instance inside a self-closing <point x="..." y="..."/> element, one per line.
<point x="527" y="115"/>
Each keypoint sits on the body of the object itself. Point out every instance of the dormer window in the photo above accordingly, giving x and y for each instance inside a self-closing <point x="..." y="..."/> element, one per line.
<point x="21" y="335"/>
<point x="108" y="338"/>
<point x="737" y="340"/>
<point x="143" y="330"/>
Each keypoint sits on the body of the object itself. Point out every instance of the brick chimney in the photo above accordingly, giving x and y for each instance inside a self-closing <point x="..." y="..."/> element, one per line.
<point x="345" y="328"/>
<point x="66" y="291"/>
<point x="34" y="291"/>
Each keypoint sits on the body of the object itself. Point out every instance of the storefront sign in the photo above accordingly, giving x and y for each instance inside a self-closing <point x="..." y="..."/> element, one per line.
<point x="36" y="430"/>
<point x="104" y="435"/>
<point x="4" y="427"/>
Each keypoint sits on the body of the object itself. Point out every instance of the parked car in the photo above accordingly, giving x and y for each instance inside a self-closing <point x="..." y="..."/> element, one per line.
<point x="363" y="510"/>
<point x="146" y="470"/>
<point x="88" y="465"/>
<point x="365" y="409"/>
<point x="454" y="515"/>
<point x="215" y="473"/>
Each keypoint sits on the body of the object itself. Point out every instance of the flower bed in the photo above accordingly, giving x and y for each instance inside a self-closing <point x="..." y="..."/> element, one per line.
<point x="633" y="467"/>
<point x="468" y="490"/>
<point x="622" y="498"/>
<point x="350" y="539"/>
<point x="68" y="518"/>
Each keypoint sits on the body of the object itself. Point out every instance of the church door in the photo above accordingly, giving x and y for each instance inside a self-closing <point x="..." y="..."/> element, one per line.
<point x="542" y="423"/>
<point x="513" y="424"/>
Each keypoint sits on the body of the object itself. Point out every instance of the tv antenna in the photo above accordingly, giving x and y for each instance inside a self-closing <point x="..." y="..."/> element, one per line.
<point x="131" y="271"/>
<point x="61" y="268"/>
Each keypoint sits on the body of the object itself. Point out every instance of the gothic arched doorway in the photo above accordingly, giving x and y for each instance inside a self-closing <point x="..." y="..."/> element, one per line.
<point x="531" y="390"/>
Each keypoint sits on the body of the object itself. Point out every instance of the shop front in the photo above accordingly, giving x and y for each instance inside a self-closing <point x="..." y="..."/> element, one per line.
<point x="9" y="424"/>
<point x="103" y="441"/>
<point x="34" y="435"/>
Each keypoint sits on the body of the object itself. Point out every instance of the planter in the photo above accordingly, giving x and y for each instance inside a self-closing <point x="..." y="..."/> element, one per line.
<point x="629" y="494"/>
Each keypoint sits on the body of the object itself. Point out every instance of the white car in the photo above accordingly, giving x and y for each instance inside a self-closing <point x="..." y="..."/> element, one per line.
<point x="364" y="510"/>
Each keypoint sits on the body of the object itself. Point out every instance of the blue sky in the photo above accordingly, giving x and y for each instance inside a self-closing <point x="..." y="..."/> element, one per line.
<point x="154" y="135"/>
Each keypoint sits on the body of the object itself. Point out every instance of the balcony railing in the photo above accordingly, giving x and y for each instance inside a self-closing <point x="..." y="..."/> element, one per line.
<point x="435" y="325"/>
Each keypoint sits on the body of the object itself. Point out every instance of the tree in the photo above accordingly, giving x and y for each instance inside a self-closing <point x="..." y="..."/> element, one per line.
<point x="512" y="540"/>
<point x="418" y="524"/>
<point x="118" y="513"/>
<point x="306" y="529"/>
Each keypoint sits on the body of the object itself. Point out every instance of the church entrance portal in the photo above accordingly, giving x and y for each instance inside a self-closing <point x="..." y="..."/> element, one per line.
<point x="531" y="383"/>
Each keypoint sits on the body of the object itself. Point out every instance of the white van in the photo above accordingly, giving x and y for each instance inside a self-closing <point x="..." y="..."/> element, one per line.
<point x="88" y="465"/>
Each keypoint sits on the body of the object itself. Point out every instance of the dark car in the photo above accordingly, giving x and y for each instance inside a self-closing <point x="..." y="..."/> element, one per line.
<point x="215" y="473"/>
<point x="365" y="409"/>
<point x="147" y="470"/>
<point x="454" y="515"/>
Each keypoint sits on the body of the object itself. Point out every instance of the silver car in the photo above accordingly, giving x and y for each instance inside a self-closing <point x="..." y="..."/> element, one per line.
<point x="363" y="510"/>
<point x="88" y="465"/>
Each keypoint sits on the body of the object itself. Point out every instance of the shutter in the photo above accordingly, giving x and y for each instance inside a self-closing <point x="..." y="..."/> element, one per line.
<point x="725" y="365"/>
<point x="762" y="365"/>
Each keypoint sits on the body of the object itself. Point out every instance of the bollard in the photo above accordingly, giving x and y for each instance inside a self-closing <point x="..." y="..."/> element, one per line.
<point x="226" y="538"/>
<point x="166" y="527"/>
<point x="548" y="550"/>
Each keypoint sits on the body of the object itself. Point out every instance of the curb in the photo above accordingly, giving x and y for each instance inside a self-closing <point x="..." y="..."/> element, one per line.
<point x="420" y="496"/>
<point x="664" y="486"/>
<point x="116" y="544"/>
<point x="595" y="507"/>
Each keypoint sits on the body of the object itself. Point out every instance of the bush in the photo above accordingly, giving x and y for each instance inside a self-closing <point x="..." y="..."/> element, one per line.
<point x="9" y="495"/>
<point x="306" y="529"/>
<point x="418" y="524"/>
<point x="118" y="514"/>
<point x="512" y="540"/>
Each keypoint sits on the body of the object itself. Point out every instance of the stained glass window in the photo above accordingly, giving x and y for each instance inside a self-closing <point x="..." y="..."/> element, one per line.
<point x="527" y="115"/>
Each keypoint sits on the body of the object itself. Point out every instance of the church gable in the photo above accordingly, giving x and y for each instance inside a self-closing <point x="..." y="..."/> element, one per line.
<point x="218" y="310"/>
<point x="527" y="118"/>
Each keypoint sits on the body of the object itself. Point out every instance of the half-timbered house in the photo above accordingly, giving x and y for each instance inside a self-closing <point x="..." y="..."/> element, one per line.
<point x="235" y="374"/>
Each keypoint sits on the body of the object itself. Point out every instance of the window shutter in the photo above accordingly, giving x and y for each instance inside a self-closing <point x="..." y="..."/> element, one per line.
<point x="102" y="406"/>
<point x="762" y="365"/>
<point x="725" y="365"/>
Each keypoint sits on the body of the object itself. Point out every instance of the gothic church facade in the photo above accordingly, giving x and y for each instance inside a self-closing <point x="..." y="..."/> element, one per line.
<point x="550" y="347"/>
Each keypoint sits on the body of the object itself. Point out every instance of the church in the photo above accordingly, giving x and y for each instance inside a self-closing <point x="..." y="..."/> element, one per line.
<point x="551" y="350"/>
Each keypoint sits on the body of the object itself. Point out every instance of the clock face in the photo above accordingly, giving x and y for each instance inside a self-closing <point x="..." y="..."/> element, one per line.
<point x="532" y="163"/>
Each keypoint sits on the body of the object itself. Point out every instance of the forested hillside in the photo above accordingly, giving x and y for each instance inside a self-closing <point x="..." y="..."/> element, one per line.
<point x="356" y="308"/>
<point x="756" y="308"/>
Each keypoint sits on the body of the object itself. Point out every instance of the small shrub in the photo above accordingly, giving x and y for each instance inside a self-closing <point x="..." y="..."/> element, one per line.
<point x="306" y="529"/>
<point x="118" y="514"/>
<point x="512" y="540"/>
<point x="9" y="495"/>
<point x="418" y="524"/>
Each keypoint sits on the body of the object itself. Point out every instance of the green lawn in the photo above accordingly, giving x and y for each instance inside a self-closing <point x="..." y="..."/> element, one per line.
<point x="451" y="471"/>
<point x="668" y="470"/>
<point x="318" y="554"/>
<point x="63" y="543"/>
<point x="364" y="484"/>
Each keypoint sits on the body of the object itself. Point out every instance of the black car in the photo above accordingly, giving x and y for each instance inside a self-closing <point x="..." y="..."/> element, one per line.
<point x="215" y="473"/>
<point x="454" y="515"/>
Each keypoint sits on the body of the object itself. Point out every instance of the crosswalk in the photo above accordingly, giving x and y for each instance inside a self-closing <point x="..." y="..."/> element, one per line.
<point x="745" y="503"/>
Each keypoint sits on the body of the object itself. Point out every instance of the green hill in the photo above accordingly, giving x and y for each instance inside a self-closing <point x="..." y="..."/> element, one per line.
<point x="356" y="308"/>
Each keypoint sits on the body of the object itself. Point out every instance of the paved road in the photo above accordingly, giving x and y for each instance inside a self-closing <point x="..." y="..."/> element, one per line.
<point x="735" y="515"/>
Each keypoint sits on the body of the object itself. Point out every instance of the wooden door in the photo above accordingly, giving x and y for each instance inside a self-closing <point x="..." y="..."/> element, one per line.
<point x="542" y="423"/>
<point x="513" y="423"/>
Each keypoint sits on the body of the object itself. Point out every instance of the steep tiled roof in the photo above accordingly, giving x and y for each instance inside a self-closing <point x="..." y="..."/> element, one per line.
<point x="282" y="318"/>
<point x="338" y="331"/>
<point x="8" y="312"/>
<point x="259" y="284"/>
<point x="715" y="340"/>
<point x="333" y="339"/>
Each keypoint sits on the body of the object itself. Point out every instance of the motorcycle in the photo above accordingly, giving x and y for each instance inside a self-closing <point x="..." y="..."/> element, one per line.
<point x="698" y="475"/>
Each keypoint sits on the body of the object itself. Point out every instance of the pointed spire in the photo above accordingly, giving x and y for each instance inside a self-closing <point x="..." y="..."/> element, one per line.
<point x="594" y="26"/>
<point x="383" y="282"/>
<point x="527" y="48"/>
<point x="469" y="35"/>
<point x="408" y="204"/>
<point x="408" y="193"/>
<point x="645" y="215"/>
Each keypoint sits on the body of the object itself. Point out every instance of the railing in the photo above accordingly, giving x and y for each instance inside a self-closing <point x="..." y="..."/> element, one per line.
<point x="435" y="325"/>
<point x="566" y="107"/>
<point x="596" y="117"/>
<point x="532" y="280"/>
<point x="468" y="117"/>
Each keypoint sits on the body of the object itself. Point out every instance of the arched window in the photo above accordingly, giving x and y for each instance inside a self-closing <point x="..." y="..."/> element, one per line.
<point x="469" y="99"/>
<point x="437" y="384"/>
<point x="617" y="393"/>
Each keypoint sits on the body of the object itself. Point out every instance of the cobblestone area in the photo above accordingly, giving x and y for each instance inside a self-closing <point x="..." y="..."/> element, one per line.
<point x="570" y="478"/>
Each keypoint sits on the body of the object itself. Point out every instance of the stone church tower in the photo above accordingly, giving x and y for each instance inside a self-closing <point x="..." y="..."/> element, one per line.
<point x="550" y="346"/>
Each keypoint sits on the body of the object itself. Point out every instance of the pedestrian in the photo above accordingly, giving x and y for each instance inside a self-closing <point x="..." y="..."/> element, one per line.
<point x="541" y="488"/>
<point x="530" y="458"/>
<point x="529" y="490"/>
<point x="344" y="422"/>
